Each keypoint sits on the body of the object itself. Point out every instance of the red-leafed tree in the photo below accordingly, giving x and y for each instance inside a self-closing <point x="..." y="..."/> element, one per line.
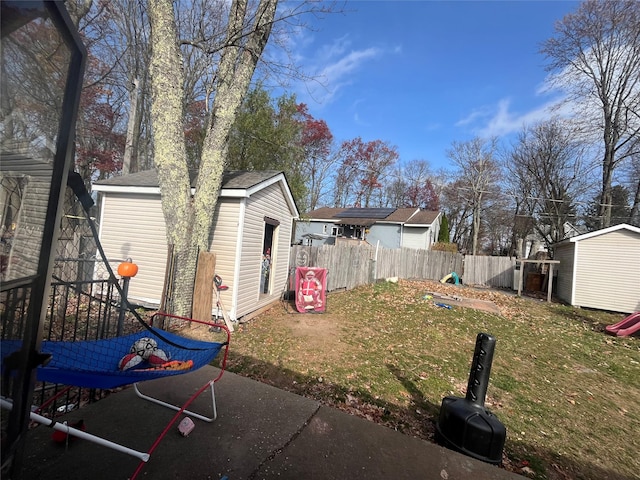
<point x="194" y="131"/>
<point x="316" y="140"/>
<point x="422" y="195"/>
<point x="101" y="136"/>
<point x="363" y="170"/>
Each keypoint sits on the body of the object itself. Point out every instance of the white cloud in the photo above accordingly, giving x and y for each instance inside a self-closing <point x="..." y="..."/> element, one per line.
<point x="346" y="65"/>
<point x="335" y="66"/>
<point x="358" y="121"/>
<point x="498" y="120"/>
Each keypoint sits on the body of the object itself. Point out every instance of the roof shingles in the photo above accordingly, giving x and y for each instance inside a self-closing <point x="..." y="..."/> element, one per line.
<point x="411" y="216"/>
<point x="240" y="179"/>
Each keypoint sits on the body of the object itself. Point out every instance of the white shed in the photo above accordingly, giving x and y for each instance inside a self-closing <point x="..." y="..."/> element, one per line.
<point x="601" y="269"/>
<point x="254" y="215"/>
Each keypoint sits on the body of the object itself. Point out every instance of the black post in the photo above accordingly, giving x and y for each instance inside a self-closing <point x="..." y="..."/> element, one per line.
<point x="123" y="304"/>
<point x="465" y="424"/>
<point x="480" y="369"/>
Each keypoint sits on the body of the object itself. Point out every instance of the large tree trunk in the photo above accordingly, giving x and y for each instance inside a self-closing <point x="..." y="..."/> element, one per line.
<point x="608" y="165"/>
<point x="189" y="219"/>
<point x="129" y="162"/>
<point x="234" y="76"/>
<point x="170" y="150"/>
<point x="476" y="228"/>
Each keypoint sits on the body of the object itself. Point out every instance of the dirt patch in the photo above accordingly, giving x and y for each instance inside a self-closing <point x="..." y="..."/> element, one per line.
<point x="316" y="326"/>
<point x="319" y="331"/>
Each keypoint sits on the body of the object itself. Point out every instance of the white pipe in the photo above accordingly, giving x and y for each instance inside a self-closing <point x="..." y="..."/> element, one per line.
<point x="375" y="263"/>
<point x="177" y="409"/>
<point x="79" y="433"/>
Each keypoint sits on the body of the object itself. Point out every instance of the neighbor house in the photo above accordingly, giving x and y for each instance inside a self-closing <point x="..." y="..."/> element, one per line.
<point x="253" y="217"/>
<point x="386" y="227"/>
<point x="601" y="269"/>
<point x="25" y="184"/>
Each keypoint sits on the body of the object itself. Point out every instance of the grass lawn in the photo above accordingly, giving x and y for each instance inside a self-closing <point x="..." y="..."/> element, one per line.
<point x="568" y="393"/>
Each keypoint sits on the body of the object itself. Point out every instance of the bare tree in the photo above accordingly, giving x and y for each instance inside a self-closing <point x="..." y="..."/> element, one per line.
<point x="457" y="207"/>
<point x="410" y="185"/>
<point x="478" y="173"/>
<point x="547" y="176"/>
<point x="634" y="186"/>
<point x="496" y="224"/>
<point x="595" y="54"/>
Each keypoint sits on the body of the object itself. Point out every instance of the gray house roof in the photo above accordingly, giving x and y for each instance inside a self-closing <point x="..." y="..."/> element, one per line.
<point x="347" y="216"/>
<point x="243" y="179"/>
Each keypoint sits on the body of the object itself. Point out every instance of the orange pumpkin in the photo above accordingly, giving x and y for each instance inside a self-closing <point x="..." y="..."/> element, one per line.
<point x="127" y="269"/>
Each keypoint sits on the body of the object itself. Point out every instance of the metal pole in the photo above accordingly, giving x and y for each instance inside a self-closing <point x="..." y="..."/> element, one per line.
<point x="123" y="304"/>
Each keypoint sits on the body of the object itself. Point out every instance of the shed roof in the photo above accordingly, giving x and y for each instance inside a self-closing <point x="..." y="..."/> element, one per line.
<point x="235" y="183"/>
<point x="231" y="179"/>
<point x="604" y="231"/>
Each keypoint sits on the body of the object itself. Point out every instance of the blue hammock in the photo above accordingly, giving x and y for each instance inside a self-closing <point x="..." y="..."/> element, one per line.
<point x="94" y="363"/>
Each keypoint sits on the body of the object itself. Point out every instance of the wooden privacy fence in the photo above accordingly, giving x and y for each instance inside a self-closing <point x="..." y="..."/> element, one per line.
<point x="349" y="266"/>
<point x="491" y="271"/>
<point x="412" y="263"/>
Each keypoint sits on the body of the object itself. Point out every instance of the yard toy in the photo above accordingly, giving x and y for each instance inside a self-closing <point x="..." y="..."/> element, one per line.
<point x="627" y="326"/>
<point x="310" y="289"/>
<point x="453" y="276"/>
<point x="186" y="426"/>
<point x="130" y="360"/>
<point x="465" y="424"/>
<point x="443" y="305"/>
<point x="144" y="347"/>
<point x="60" y="436"/>
<point x="94" y="364"/>
<point x="220" y="310"/>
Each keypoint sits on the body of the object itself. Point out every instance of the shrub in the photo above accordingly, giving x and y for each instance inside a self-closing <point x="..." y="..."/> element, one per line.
<point x="445" y="247"/>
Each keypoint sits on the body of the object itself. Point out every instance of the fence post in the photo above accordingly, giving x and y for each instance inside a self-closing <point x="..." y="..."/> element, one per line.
<point x="372" y="270"/>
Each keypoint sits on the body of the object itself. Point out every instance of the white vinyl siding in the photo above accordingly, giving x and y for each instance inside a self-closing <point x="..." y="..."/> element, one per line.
<point x="132" y="226"/>
<point x="29" y="181"/>
<point x="268" y="202"/>
<point x="414" y="237"/>
<point x="608" y="272"/>
<point x="223" y="242"/>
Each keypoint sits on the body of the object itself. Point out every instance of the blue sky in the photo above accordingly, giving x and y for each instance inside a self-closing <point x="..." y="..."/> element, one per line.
<point x="422" y="74"/>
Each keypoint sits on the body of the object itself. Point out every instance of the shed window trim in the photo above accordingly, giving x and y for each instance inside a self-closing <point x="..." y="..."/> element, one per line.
<point x="272" y="221"/>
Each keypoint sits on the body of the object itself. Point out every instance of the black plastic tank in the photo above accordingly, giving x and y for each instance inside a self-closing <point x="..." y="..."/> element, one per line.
<point x="465" y="424"/>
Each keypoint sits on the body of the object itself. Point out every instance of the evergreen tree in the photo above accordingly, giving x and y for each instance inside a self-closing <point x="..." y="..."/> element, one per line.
<point x="443" y="235"/>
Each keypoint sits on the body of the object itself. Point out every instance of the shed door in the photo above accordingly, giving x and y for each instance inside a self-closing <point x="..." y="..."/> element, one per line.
<point x="268" y="255"/>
